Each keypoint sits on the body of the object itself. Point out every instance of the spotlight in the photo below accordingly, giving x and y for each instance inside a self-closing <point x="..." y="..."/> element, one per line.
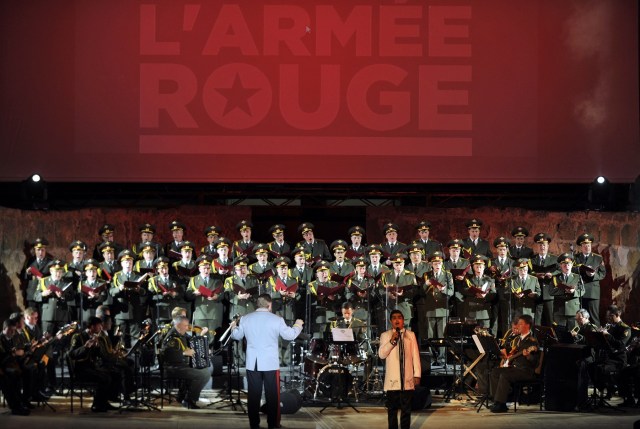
<point x="600" y="195"/>
<point x="35" y="194"/>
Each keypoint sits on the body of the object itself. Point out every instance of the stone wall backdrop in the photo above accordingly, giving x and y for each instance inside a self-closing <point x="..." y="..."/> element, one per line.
<point x="18" y="228"/>
<point x="617" y="236"/>
<point x="617" y="239"/>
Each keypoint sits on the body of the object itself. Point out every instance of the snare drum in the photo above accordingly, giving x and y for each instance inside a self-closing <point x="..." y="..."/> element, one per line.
<point x="352" y="354"/>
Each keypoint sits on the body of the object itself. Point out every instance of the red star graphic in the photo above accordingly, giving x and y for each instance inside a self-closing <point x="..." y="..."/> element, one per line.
<point x="237" y="96"/>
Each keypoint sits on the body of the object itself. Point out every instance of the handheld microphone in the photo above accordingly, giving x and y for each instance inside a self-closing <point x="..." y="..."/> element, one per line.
<point x="398" y="330"/>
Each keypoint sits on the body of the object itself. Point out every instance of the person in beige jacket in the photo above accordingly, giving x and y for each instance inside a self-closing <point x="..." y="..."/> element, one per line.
<point x="399" y="348"/>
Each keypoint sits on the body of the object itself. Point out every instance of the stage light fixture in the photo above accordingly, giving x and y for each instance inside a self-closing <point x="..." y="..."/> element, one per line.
<point x="600" y="194"/>
<point x="35" y="193"/>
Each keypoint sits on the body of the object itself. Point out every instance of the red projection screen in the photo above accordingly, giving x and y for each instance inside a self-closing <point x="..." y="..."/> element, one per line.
<point x="493" y="91"/>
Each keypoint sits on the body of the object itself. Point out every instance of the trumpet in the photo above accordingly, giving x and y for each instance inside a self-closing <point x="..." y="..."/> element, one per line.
<point x="576" y="335"/>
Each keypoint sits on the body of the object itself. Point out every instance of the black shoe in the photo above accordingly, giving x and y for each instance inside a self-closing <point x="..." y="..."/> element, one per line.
<point x="499" y="407"/>
<point x="20" y="411"/>
<point x="98" y="409"/>
<point x="28" y="405"/>
<point x="190" y="405"/>
<point x="628" y="402"/>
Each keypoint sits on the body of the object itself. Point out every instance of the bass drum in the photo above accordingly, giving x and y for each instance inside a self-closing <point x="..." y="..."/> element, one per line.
<point x="333" y="382"/>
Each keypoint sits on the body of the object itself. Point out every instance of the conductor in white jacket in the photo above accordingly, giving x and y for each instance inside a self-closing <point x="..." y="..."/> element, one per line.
<point x="262" y="329"/>
<point x="399" y="348"/>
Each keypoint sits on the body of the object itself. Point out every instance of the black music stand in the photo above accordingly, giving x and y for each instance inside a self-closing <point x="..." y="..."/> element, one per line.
<point x="236" y="402"/>
<point x="455" y="333"/>
<point x="139" y="403"/>
<point x="488" y="346"/>
<point x="602" y="348"/>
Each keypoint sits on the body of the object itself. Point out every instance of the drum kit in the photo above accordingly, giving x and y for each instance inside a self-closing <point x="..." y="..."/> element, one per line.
<point x="322" y="368"/>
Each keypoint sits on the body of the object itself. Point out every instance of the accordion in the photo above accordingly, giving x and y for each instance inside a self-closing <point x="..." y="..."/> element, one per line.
<point x="201" y="359"/>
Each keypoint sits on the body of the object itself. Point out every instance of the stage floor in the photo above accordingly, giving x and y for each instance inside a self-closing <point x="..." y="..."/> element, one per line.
<point x="455" y="414"/>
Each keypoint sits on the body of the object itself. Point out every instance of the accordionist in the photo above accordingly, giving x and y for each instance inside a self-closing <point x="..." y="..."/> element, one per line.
<point x="176" y="356"/>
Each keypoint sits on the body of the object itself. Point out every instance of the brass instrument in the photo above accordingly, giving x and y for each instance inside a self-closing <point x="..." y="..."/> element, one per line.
<point x="578" y="337"/>
<point x="481" y="331"/>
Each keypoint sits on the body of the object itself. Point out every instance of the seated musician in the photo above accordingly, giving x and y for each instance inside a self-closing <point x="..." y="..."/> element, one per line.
<point x="583" y="325"/>
<point x="519" y="365"/>
<point x="86" y="352"/>
<point x="348" y="321"/>
<point x="10" y="371"/>
<point x="176" y="355"/>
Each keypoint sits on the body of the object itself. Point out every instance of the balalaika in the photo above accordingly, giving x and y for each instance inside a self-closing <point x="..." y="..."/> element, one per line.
<point x="200" y="344"/>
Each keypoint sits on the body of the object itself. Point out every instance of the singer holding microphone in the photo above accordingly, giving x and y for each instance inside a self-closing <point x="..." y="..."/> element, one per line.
<point x="262" y="330"/>
<point x="399" y="349"/>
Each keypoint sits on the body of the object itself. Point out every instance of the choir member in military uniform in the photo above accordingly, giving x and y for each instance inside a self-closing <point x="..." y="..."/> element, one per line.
<point x="128" y="292"/>
<point x="109" y="265"/>
<point x="55" y="294"/>
<point x="358" y="291"/>
<point x="92" y="291"/>
<point x="106" y="233"/>
<point x="207" y="293"/>
<point x="341" y="268"/>
<point x="457" y="265"/>
<point x="303" y="275"/>
<point x="473" y="244"/>
<point x="525" y="289"/>
<point x="244" y="246"/>
<point x="75" y="273"/>
<point x="147" y="231"/>
<point x="145" y="265"/>
<point x="501" y="269"/>
<point x="479" y="292"/>
<point x="315" y="248"/>
<point x="212" y="233"/>
<point x="591" y="268"/>
<point x="326" y="296"/>
<point x="186" y="267"/>
<point x="172" y="248"/>
<point x="241" y="288"/>
<point x="222" y="265"/>
<point x="522" y="367"/>
<point x="399" y="285"/>
<point x="165" y="292"/>
<point x="87" y="354"/>
<point x="357" y="248"/>
<point x="417" y="261"/>
<point x="518" y="248"/>
<point x="377" y="297"/>
<point x="391" y="246"/>
<point x="35" y="269"/>
<point x="544" y="265"/>
<point x="437" y="290"/>
<point x="567" y="291"/>
<point x="175" y="354"/>
<point x="262" y="268"/>
<point x="428" y="244"/>
<point x="283" y="289"/>
<point x="278" y="247"/>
